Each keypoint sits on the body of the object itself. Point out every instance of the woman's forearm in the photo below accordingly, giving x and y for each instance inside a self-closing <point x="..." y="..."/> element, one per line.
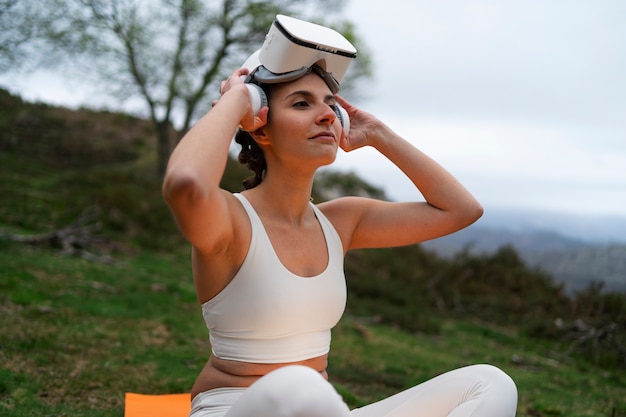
<point x="436" y="184"/>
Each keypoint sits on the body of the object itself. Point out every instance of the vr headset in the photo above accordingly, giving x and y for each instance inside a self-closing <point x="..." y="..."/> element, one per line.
<point x="294" y="48"/>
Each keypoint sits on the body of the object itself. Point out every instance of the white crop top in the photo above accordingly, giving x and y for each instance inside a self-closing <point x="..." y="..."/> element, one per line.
<point x="267" y="314"/>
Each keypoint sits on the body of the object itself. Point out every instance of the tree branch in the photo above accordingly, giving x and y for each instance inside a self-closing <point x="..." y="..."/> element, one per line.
<point x="72" y="239"/>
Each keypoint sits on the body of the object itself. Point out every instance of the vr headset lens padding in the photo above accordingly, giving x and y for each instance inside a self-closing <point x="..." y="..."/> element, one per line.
<point x="262" y="75"/>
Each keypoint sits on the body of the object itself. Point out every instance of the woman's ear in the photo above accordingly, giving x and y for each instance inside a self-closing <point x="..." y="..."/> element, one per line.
<point x="260" y="136"/>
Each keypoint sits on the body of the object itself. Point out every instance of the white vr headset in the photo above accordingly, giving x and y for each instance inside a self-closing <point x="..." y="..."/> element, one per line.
<point x="294" y="48"/>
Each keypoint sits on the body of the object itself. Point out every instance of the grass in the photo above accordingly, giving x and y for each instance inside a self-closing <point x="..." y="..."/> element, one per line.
<point x="75" y="336"/>
<point x="83" y="334"/>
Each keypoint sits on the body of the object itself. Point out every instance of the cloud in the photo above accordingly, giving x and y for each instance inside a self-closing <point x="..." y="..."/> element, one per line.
<point x="523" y="101"/>
<point x="508" y="165"/>
<point x="541" y="61"/>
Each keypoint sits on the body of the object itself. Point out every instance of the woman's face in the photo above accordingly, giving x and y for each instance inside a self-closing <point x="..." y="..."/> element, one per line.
<point x="302" y="120"/>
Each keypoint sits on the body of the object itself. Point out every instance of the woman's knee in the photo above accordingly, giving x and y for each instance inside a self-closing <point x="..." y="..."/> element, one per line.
<point x="294" y="378"/>
<point x="497" y="378"/>
<point x="502" y="391"/>
<point x="298" y="390"/>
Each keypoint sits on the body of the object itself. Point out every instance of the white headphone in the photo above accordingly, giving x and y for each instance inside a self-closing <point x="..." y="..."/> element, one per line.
<point x="258" y="100"/>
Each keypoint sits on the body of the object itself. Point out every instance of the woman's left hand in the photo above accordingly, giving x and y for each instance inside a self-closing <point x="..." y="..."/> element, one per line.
<point x="363" y="126"/>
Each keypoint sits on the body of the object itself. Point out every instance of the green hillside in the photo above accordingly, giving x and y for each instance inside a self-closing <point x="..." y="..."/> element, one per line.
<point x="97" y="300"/>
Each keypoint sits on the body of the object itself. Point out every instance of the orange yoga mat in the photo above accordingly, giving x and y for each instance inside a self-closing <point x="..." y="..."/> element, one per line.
<point x="168" y="405"/>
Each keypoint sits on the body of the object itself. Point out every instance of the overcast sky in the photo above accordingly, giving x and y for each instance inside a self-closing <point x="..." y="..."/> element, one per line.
<point x="524" y="101"/>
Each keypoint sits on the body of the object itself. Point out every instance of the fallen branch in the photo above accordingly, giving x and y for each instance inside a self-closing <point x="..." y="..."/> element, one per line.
<point x="73" y="239"/>
<point x="593" y="338"/>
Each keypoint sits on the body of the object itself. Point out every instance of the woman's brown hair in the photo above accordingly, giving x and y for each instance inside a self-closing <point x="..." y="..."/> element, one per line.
<point x="251" y="154"/>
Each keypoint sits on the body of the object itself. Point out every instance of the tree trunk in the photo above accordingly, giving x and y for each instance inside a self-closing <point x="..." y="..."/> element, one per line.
<point x="165" y="146"/>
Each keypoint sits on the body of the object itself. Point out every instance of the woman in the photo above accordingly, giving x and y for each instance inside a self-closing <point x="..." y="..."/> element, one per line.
<point x="268" y="264"/>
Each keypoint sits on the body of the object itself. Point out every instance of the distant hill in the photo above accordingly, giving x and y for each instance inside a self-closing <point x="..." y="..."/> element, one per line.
<point x="595" y="229"/>
<point x="575" y="262"/>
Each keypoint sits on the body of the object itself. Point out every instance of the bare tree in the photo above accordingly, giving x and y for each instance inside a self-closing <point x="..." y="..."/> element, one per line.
<point x="171" y="54"/>
<point x="24" y="26"/>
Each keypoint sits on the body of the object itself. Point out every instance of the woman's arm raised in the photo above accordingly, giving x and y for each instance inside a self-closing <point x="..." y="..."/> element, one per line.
<point x="372" y="223"/>
<point x="191" y="184"/>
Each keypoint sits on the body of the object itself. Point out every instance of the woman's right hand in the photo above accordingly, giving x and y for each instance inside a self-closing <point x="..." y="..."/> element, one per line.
<point x="249" y="121"/>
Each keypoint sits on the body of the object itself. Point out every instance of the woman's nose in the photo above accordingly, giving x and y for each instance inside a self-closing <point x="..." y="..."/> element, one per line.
<point x="327" y="114"/>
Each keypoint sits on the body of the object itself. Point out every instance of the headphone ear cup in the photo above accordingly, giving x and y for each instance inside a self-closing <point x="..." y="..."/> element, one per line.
<point x="342" y="114"/>
<point x="258" y="99"/>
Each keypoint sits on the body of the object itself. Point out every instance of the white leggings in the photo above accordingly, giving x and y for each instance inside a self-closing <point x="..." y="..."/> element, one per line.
<point x="299" y="391"/>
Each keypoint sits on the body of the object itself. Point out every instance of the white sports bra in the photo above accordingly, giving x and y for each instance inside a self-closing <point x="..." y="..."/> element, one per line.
<point x="267" y="314"/>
